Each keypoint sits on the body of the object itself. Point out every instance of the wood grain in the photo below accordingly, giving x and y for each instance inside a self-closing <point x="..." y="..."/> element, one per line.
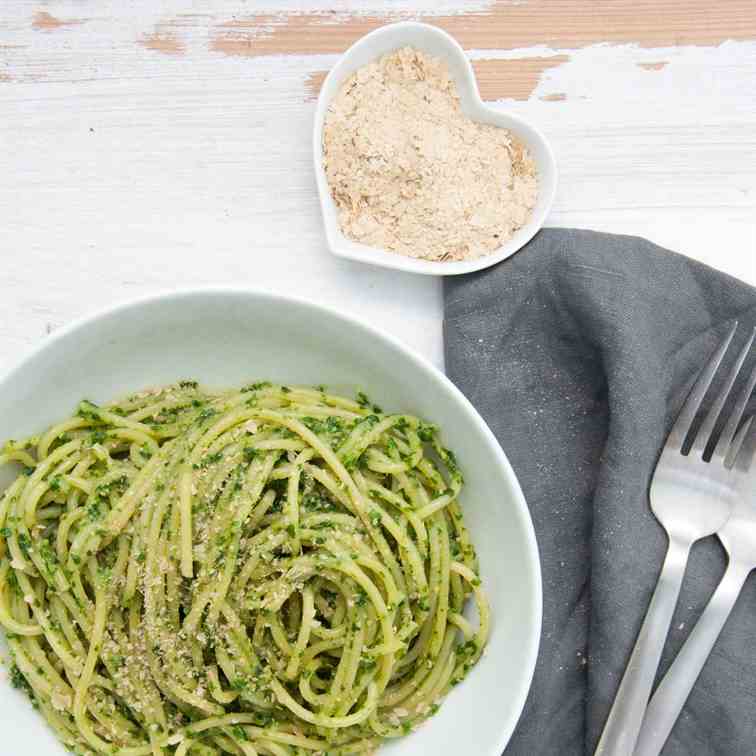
<point x="163" y="42"/>
<point x="131" y="169"/>
<point x="506" y="25"/>
<point x="512" y="78"/>
<point x="655" y="66"/>
<point x="44" y="21"/>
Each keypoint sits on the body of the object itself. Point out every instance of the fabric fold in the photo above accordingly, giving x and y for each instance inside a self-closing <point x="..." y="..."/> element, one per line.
<point x="577" y="352"/>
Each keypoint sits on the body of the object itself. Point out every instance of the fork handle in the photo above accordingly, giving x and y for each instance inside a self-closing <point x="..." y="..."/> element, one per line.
<point x="626" y="715"/>
<point x="668" y="700"/>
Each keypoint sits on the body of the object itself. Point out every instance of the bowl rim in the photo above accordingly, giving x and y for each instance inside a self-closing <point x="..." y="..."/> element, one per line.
<point x="70" y="330"/>
<point x="337" y="242"/>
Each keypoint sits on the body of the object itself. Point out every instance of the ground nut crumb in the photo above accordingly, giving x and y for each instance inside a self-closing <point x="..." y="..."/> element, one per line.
<point x="410" y="173"/>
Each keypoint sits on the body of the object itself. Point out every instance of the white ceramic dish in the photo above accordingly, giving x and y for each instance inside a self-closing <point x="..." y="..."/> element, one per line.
<point x="225" y="337"/>
<point x="436" y="42"/>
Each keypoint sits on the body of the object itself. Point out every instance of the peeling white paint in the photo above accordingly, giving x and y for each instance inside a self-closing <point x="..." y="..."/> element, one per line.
<point x="354" y="7"/>
<point x="127" y="170"/>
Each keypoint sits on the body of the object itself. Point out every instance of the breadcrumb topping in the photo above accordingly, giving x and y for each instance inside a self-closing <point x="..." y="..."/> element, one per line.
<point x="411" y="173"/>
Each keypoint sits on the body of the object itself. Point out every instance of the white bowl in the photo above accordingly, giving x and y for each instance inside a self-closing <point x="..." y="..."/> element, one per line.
<point x="225" y="337"/>
<point x="436" y="42"/>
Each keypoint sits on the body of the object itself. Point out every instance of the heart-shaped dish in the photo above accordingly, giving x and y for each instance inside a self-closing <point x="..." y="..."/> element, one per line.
<point x="433" y="41"/>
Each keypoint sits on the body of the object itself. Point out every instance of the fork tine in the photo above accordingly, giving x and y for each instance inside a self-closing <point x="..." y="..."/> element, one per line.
<point x="692" y="404"/>
<point x="736" y="415"/>
<point x="704" y="435"/>
<point x="741" y="452"/>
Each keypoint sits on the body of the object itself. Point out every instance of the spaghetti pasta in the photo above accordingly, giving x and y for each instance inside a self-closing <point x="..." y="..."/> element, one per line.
<point x="269" y="570"/>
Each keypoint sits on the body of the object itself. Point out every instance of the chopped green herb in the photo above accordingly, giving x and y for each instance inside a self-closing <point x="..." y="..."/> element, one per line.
<point x="19" y="681"/>
<point x="426" y="432"/>
<point x="206" y="414"/>
<point x="256" y="386"/>
<point x="24" y="542"/>
<point x="89" y="411"/>
<point x="239" y="732"/>
<point x="98" y="436"/>
<point x="211" y="459"/>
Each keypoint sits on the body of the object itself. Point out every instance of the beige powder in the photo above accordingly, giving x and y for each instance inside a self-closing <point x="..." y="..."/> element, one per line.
<point x="411" y="174"/>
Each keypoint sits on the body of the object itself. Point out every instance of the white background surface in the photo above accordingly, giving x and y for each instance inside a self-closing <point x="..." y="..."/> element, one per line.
<point x="125" y="170"/>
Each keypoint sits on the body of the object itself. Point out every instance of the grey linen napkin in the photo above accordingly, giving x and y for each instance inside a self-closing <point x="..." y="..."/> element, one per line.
<point x="577" y="352"/>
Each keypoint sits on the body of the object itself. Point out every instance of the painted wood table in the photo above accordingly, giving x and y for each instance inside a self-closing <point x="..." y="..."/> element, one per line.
<point x="158" y="144"/>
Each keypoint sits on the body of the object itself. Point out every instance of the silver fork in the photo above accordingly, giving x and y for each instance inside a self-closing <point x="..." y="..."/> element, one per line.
<point x="738" y="536"/>
<point x="691" y="498"/>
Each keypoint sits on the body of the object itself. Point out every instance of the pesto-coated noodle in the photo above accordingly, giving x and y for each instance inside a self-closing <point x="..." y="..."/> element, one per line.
<point x="272" y="570"/>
